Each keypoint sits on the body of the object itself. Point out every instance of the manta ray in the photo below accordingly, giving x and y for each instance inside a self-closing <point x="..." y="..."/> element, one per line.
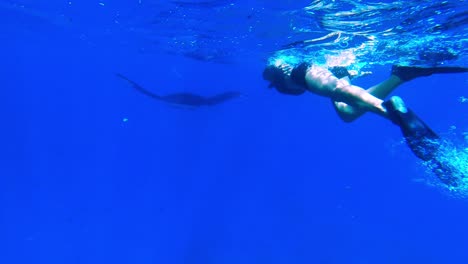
<point x="187" y="99"/>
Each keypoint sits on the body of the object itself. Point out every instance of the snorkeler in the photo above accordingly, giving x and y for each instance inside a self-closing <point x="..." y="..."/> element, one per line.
<point x="351" y="101"/>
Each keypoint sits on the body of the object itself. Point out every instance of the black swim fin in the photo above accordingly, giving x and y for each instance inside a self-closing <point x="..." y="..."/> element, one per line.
<point x="407" y="73"/>
<point x="421" y="139"/>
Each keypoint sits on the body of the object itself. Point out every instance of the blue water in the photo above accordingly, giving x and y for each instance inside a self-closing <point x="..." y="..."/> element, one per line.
<point x="94" y="172"/>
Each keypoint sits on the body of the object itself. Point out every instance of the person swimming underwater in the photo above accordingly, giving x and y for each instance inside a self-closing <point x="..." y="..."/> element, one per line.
<point x="350" y="102"/>
<point x="187" y="99"/>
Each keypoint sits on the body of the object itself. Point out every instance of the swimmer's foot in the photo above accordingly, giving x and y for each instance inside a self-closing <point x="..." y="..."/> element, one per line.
<point x="395" y="108"/>
<point x="407" y="73"/>
<point x="395" y="103"/>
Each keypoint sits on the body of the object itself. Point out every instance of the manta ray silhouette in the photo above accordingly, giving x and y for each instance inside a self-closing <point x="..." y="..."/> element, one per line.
<point x="188" y="99"/>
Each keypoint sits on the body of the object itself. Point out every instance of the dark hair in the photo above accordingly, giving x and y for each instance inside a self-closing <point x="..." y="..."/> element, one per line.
<point x="276" y="77"/>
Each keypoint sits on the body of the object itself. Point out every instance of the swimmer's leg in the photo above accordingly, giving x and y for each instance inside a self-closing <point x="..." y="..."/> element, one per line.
<point x="383" y="89"/>
<point x="348" y="113"/>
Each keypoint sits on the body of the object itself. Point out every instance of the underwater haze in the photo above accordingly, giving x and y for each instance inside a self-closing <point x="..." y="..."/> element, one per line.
<point x="142" y="132"/>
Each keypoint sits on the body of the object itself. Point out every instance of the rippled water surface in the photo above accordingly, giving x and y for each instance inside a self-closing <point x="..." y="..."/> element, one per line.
<point x="422" y="32"/>
<point x="414" y="32"/>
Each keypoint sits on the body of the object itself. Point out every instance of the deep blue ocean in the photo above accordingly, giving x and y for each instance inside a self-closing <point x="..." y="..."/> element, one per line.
<point x="92" y="171"/>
